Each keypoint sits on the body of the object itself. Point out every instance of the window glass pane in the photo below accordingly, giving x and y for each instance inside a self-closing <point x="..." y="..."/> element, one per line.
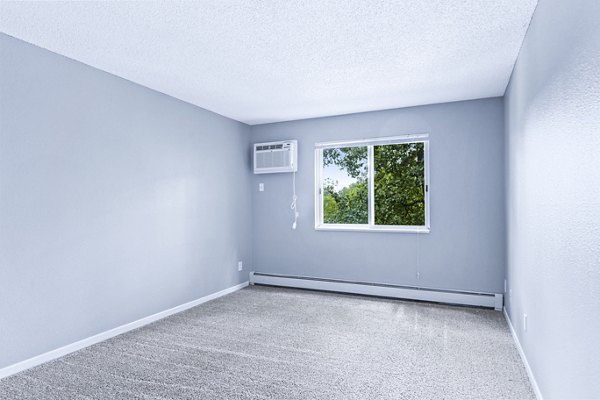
<point x="345" y="186"/>
<point x="399" y="184"/>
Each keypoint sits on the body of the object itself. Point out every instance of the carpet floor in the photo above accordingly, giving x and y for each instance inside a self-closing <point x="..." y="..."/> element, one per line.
<point x="273" y="343"/>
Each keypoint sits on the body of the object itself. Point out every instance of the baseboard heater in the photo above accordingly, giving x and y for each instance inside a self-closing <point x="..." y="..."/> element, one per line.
<point x="490" y="300"/>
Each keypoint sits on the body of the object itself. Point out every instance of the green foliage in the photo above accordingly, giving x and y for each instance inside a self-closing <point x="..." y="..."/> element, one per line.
<point x="351" y="159"/>
<point x="399" y="184"/>
<point x="330" y="204"/>
<point x="349" y="205"/>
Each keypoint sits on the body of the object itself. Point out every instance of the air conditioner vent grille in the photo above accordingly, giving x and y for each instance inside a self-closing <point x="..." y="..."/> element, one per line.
<point x="269" y="147"/>
<point x="275" y="157"/>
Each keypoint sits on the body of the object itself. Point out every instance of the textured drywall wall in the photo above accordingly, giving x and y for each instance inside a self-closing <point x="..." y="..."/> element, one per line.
<point x="553" y="197"/>
<point x="262" y="61"/>
<point x="465" y="249"/>
<point x="116" y="201"/>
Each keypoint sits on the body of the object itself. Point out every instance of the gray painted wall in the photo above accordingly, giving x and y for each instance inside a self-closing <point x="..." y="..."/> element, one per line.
<point x="553" y="197"/>
<point x="116" y="201"/>
<point x="466" y="246"/>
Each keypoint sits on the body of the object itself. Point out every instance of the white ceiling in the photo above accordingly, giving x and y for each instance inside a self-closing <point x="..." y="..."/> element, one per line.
<point x="260" y="61"/>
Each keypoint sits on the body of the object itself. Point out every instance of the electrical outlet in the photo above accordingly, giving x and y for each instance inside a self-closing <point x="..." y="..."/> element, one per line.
<point x="524" y="322"/>
<point x="261" y="187"/>
<point x="240" y="266"/>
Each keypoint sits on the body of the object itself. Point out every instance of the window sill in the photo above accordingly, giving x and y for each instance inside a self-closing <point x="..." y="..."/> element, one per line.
<point x="370" y="228"/>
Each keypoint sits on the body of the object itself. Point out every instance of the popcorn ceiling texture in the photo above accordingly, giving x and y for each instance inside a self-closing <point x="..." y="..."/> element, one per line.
<point x="258" y="61"/>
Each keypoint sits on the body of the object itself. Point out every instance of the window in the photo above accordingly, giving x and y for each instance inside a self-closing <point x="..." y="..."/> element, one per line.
<point x="373" y="185"/>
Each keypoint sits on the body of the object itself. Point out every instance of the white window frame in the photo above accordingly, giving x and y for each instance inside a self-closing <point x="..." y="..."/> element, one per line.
<point x="370" y="227"/>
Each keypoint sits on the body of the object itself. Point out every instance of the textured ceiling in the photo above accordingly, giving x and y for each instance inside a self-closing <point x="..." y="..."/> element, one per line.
<point x="264" y="61"/>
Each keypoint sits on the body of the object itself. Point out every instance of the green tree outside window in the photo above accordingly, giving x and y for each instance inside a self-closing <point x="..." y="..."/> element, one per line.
<point x="398" y="181"/>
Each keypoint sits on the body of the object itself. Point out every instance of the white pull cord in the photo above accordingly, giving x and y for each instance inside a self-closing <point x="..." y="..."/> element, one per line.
<point x="293" y="205"/>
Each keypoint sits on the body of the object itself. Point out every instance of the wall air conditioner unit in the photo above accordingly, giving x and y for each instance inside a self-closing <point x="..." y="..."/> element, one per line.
<point x="276" y="157"/>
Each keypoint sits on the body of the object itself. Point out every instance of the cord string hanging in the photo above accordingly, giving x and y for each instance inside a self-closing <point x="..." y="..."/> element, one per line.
<point x="294" y="206"/>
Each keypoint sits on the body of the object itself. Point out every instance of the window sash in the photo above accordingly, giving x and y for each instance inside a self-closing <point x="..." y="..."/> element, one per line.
<point x="414" y="138"/>
<point x="370" y="143"/>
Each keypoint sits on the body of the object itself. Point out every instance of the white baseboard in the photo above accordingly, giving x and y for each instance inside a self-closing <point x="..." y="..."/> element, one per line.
<point x="492" y="300"/>
<point x="532" y="380"/>
<point x="70" y="348"/>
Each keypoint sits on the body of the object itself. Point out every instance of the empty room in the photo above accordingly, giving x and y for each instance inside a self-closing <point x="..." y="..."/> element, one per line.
<point x="304" y="199"/>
